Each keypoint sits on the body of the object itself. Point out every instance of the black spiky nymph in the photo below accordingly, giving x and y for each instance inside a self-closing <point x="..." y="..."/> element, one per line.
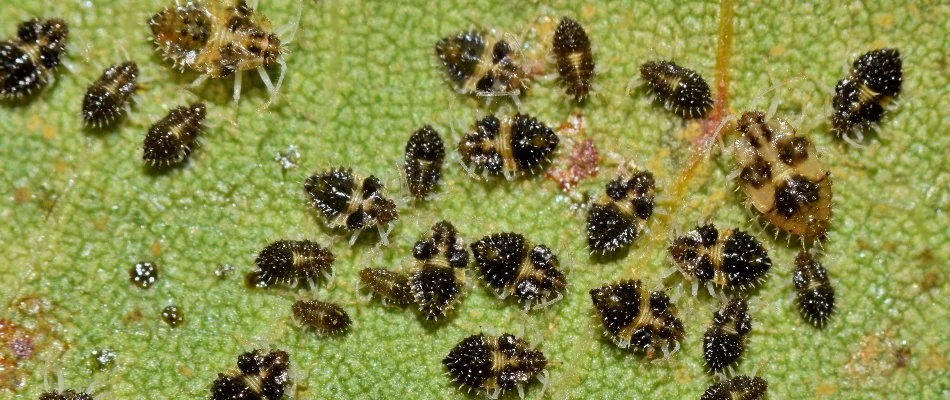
<point x="816" y="296"/>
<point x="493" y="364"/>
<point x="294" y="263"/>
<point x="682" y="90"/>
<point x="740" y="387"/>
<point x="575" y="61"/>
<point x="172" y="139"/>
<point x="107" y="99"/>
<point x="614" y="221"/>
<point x="425" y="154"/>
<point x="724" y="341"/>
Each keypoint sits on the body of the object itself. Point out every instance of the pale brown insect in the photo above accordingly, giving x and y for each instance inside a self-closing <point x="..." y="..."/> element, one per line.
<point x="218" y="39"/>
<point x="392" y="286"/>
<point x="781" y="176"/>
<point x="324" y="317"/>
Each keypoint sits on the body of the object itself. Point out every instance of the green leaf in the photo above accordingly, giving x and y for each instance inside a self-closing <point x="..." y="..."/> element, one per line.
<point x="79" y="209"/>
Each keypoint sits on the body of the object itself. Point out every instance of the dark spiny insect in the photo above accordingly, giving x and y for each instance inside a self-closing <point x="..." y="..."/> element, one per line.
<point x="493" y="364"/>
<point x="729" y="259"/>
<point x="681" y="90"/>
<point x="511" y="146"/>
<point x="392" y="286"/>
<point x="512" y="266"/>
<point x="619" y="216"/>
<point x="143" y="274"/>
<point x="781" y="176"/>
<point x="67" y="394"/>
<point x="107" y="99"/>
<point x="425" y="153"/>
<point x="294" y="262"/>
<point x="27" y="62"/>
<point x="631" y="318"/>
<point x="480" y="66"/>
<point x="724" y="341"/>
<point x="259" y="376"/>
<point x="438" y="277"/>
<point x="862" y="97"/>
<point x="816" y="296"/>
<point x="173" y="316"/>
<point x="323" y="317"/>
<point x="740" y="387"/>
<point x="217" y="39"/>
<point x="350" y="201"/>
<point x="575" y="62"/>
<point x="171" y="140"/>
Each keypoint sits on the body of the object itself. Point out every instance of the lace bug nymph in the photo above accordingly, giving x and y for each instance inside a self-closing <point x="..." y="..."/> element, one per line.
<point x="729" y="259"/>
<point x="107" y="99"/>
<point x="493" y="364"/>
<point x="724" y="341"/>
<point x="510" y="146"/>
<point x="479" y="65"/>
<point x="781" y="176"/>
<point x="294" y="263"/>
<point x="512" y="266"/>
<point x="259" y="375"/>
<point x="67" y="394"/>
<point x="862" y="97"/>
<point x="617" y="218"/>
<point x="816" y="296"/>
<point x="393" y="287"/>
<point x="324" y="317"/>
<point x="631" y="316"/>
<point x="217" y="39"/>
<point x="28" y="61"/>
<point x="740" y="387"/>
<point x="171" y="140"/>
<point x="681" y="90"/>
<point x="352" y="202"/>
<point x="438" y="278"/>
<point x="575" y="61"/>
<point x="425" y="153"/>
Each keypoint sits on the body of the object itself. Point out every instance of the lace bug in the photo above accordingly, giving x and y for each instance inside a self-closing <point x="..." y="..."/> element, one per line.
<point x="631" y="316"/>
<point x="617" y="218"/>
<point x="107" y="99"/>
<point x="681" y="90"/>
<point x="729" y="259"/>
<point x="510" y="146"/>
<point x="438" y="278"/>
<point x="493" y="364"/>
<point x="172" y="139"/>
<point x="294" y="263"/>
<point x="575" y="61"/>
<point x="27" y="62"/>
<point x="512" y="266"/>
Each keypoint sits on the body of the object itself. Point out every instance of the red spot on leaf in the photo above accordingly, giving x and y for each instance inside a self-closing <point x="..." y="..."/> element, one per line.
<point x="581" y="160"/>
